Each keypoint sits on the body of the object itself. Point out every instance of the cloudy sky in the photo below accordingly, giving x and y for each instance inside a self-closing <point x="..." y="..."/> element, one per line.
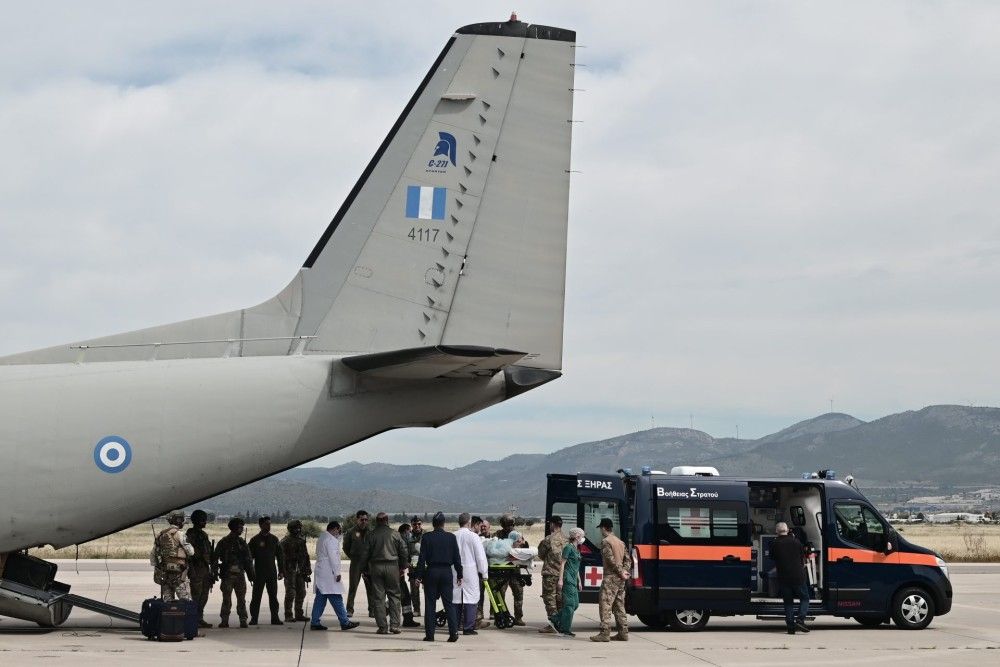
<point x="779" y="204"/>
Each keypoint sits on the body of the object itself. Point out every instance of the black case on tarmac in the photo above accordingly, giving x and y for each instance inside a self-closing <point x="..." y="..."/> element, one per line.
<point x="169" y="621"/>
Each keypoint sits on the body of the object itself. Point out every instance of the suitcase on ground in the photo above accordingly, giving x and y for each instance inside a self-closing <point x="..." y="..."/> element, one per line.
<point x="169" y="621"/>
<point x="149" y="618"/>
<point x="172" y="621"/>
<point x="191" y="618"/>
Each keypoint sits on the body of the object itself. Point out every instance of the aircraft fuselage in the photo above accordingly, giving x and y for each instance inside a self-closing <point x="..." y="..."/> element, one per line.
<point x="103" y="444"/>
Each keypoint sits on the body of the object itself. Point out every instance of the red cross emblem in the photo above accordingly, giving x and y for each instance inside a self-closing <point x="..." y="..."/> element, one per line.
<point x="695" y="521"/>
<point x="592" y="575"/>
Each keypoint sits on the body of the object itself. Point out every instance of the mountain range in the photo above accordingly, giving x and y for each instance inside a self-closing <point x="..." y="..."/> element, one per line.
<point x="938" y="445"/>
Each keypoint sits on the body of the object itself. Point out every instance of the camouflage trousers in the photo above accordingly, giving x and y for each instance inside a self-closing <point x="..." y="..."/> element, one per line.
<point x="234" y="583"/>
<point x="501" y="579"/>
<point x="201" y="580"/>
<point x="550" y="594"/>
<point x="295" y="593"/>
<point x="611" y="604"/>
<point x="175" y="588"/>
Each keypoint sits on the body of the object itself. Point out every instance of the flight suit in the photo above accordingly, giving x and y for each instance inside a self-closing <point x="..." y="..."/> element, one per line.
<point x="356" y="549"/>
<point x="387" y="558"/>
<point x="232" y="562"/>
<point x="264" y="550"/>
<point x="297" y="572"/>
<point x="201" y="568"/>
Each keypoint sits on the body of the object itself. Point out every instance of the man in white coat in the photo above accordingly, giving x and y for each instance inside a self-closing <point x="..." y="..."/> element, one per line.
<point x="327" y="585"/>
<point x="470" y="550"/>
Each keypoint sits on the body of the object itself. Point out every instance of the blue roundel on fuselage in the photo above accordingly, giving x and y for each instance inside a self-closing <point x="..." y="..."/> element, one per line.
<point x="112" y="454"/>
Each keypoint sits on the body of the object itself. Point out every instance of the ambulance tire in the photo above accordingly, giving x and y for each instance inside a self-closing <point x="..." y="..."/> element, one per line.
<point x="654" y="621"/>
<point x="688" y="620"/>
<point x="872" y="621"/>
<point x="913" y="608"/>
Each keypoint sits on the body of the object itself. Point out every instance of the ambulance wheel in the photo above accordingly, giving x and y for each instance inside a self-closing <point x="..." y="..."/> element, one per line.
<point x="913" y="608"/>
<point x="871" y="621"/>
<point x="688" y="620"/>
<point x="654" y="621"/>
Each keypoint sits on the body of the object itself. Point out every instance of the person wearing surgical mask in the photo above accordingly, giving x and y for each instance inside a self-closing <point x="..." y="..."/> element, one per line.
<point x="568" y="585"/>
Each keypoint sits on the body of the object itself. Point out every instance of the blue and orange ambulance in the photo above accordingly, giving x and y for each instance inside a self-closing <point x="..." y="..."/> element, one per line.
<point x="700" y="547"/>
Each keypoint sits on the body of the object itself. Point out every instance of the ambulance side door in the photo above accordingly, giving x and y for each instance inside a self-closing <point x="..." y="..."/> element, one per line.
<point x="703" y="550"/>
<point x="861" y="572"/>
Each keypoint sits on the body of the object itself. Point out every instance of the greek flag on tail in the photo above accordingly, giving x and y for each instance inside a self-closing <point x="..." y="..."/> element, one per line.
<point x="425" y="203"/>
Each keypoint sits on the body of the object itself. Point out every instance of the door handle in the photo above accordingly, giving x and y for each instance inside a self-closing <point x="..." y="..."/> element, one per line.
<point x="845" y="559"/>
<point x="729" y="558"/>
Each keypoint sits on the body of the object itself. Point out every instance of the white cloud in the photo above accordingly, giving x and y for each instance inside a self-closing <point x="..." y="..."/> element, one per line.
<point x="778" y="204"/>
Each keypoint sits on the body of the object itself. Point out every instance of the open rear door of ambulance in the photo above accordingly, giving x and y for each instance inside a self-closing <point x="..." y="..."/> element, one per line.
<point x="583" y="500"/>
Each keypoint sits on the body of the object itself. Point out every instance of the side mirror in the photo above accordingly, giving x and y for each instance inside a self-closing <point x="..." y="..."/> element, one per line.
<point x="888" y="547"/>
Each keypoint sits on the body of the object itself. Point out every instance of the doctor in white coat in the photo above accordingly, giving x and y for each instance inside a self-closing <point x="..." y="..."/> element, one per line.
<point x="327" y="584"/>
<point x="470" y="550"/>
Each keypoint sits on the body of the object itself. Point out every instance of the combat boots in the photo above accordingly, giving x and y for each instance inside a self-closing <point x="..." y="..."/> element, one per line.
<point x="224" y="623"/>
<point x="601" y="636"/>
<point x="622" y="636"/>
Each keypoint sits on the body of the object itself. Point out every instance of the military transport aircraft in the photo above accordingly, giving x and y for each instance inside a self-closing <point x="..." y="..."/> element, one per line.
<point x="436" y="291"/>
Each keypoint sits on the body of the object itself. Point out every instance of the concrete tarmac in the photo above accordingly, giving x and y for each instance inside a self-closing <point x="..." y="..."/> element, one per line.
<point x="969" y="635"/>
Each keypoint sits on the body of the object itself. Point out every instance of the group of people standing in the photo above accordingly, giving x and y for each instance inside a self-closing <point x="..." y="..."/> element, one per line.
<point x="561" y="581"/>
<point x="188" y="564"/>
<point x="450" y="567"/>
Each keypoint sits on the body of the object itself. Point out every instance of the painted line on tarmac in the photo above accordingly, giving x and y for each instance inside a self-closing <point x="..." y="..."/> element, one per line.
<point x="976" y="607"/>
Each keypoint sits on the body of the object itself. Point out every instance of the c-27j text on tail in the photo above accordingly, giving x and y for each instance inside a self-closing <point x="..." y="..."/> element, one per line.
<point x="436" y="291"/>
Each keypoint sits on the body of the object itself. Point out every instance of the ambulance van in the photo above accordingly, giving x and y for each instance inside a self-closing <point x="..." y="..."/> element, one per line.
<point x="700" y="547"/>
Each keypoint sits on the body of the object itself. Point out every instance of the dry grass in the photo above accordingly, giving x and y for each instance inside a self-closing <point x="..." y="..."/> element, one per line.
<point x="958" y="543"/>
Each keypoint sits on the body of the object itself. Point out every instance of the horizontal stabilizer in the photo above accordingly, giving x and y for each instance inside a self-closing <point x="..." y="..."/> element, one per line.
<point x="424" y="363"/>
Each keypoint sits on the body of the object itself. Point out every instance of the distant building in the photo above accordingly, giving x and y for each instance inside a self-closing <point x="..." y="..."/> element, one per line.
<point x="950" y="517"/>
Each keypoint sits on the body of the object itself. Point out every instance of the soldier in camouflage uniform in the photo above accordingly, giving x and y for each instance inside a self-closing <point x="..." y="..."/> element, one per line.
<point x="617" y="566"/>
<point x="232" y="562"/>
<point x="413" y="549"/>
<point x="297" y="571"/>
<point x="550" y="553"/>
<point x="201" y="566"/>
<point x="501" y="580"/>
<point x="170" y="556"/>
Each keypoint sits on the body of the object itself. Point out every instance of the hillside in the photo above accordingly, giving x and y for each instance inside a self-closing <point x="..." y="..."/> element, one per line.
<point x="938" y="445"/>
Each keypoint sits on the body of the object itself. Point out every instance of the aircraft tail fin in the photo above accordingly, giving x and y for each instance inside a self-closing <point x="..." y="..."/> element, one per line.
<point x="456" y="231"/>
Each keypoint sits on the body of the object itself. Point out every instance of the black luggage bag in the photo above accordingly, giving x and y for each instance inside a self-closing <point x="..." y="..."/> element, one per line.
<point x="169" y="621"/>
